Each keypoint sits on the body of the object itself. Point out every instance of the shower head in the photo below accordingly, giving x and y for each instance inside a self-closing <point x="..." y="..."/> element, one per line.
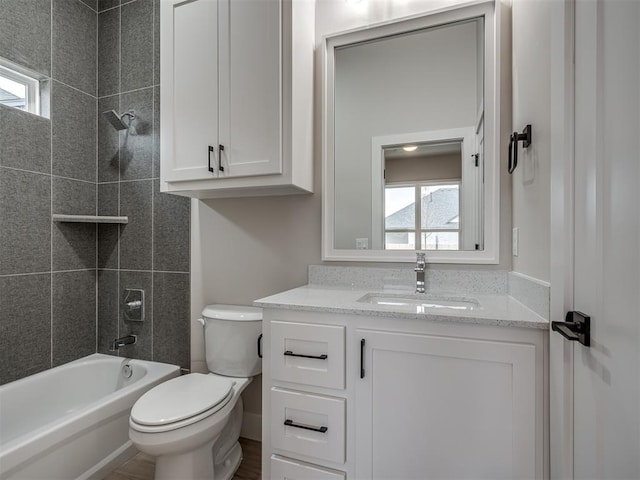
<point x="118" y="121"/>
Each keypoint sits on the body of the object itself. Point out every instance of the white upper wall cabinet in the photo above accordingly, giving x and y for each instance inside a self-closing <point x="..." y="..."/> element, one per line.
<point x="237" y="97"/>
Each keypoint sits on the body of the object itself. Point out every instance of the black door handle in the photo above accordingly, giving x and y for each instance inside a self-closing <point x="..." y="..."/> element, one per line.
<point x="289" y="423"/>
<point x="289" y="353"/>
<point x="260" y="346"/>
<point x="576" y="327"/>
<point x="525" y="138"/>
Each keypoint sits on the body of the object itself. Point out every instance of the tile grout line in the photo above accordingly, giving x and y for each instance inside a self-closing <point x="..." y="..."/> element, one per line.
<point x="72" y="87"/>
<point x="119" y="250"/>
<point x="51" y="198"/>
<point x="153" y="183"/>
<point x="129" y="91"/>
<point x="97" y="285"/>
<point x="50" y="174"/>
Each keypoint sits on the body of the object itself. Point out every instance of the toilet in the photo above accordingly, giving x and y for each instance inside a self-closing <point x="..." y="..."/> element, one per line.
<point x="191" y="424"/>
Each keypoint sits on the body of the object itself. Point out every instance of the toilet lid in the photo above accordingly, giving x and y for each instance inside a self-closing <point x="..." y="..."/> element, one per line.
<point x="181" y="398"/>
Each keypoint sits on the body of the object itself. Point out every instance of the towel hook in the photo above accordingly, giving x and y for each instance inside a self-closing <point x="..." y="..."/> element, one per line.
<point x="525" y="138"/>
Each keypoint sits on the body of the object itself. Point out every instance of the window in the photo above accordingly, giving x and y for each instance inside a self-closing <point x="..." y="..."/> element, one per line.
<point x="18" y="90"/>
<point x="422" y="216"/>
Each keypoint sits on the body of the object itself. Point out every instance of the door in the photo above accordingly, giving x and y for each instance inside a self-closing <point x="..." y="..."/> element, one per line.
<point x="433" y="407"/>
<point x="189" y="94"/>
<point x="251" y="87"/>
<point x="600" y="416"/>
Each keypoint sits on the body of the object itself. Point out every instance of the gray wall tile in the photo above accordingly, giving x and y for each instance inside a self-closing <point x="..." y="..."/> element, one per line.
<point x="74" y="244"/>
<point x="74" y="132"/>
<point x="74" y="315"/>
<point x="107" y="310"/>
<point x="106" y="4"/>
<point x="25" y="141"/>
<point x="74" y="45"/>
<point x="142" y="349"/>
<point x="73" y="197"/>
<point x="25" y="216"/>
<point x="109" y="52"/>
<point x="171" y="322"/>
<point x="93" y="4"/>
<point x="137" y="45"/>
<point x="25" y="321"/>
<point x="171" y="231"/>
<point x="108" y="235"/>
<point x="25" y="33"/>
<point x="108" y="147"/>
<point x="156" y="132"/>
<point x="108" y="198"/>
<point x="135" y="237"/>
<point x="136" y="148"/>
<point x="156" y="42"/>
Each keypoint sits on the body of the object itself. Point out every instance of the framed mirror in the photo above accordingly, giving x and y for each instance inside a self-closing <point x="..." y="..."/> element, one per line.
<point x="410" y="139"/>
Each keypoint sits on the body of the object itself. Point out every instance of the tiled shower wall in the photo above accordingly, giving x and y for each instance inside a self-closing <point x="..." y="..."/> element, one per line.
<point x="61" y="284"/>
<point x="152" y="251"/>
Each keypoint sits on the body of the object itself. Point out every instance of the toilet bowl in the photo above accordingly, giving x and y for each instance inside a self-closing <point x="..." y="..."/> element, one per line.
<point x="192" y="423"/>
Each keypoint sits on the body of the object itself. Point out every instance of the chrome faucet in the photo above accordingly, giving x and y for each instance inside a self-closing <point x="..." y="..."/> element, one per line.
<point x="122" y="341"/>
<point x="421" y="266"/>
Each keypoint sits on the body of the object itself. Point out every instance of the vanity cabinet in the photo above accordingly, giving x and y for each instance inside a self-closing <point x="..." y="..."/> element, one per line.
<point x="431" y="406"/>
<point x="411" y="399"/>
<point x="236" y="97"/>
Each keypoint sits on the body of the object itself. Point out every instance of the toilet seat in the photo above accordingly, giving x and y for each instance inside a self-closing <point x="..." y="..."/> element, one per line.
<point x="180" y="402"/>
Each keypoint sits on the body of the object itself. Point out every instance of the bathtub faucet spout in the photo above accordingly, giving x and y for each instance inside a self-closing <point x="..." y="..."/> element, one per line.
<point x="122" y="341"/>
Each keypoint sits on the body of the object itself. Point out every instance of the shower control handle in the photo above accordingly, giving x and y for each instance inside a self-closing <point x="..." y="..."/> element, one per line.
<point x="210" y="151"/>
<point x="220" y="150"/>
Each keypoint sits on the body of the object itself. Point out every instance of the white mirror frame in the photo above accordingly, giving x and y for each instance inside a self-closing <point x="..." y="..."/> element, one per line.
<point x="491" y="121"/>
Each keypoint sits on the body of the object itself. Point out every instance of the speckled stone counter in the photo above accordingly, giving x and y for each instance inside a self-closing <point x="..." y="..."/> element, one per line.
<point x="480" y="309"/>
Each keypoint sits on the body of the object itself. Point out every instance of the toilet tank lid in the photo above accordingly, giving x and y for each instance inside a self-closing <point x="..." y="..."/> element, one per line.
<point x="232" y="312"/>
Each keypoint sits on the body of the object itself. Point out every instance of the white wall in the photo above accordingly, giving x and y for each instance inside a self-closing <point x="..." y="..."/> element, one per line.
<point x="414" y="83"/>
<point x="531" y="105"/>
<point x="244" y="249"/>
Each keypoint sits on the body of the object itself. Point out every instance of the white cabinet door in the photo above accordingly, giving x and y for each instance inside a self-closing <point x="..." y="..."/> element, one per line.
<point x="189" y="94"/>
<point x="250" y="87"/>
<point x="444" y="408"/>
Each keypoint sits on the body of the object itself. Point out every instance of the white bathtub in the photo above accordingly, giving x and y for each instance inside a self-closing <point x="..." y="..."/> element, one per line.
<point x="72" y="422"/>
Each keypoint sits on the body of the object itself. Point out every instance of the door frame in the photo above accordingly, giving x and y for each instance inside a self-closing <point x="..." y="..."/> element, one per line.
<point x="561" y="455"/>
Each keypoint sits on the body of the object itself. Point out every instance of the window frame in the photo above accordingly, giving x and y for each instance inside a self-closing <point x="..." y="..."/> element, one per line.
<point x="31" y="83"/>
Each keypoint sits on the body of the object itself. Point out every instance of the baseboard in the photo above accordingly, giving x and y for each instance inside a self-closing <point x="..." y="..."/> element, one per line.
<point x="251" y="426"/>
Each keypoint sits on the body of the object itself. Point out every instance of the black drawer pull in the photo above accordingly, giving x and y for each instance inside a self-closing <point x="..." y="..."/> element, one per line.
<point x="289" y="353"/>
<point x="289" y="423"/>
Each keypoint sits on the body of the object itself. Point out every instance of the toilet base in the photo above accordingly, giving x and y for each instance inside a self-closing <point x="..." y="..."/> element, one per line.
<point x="194" y="465"/>
<point x="229" y="466"/>
<point x="197" y="465"/>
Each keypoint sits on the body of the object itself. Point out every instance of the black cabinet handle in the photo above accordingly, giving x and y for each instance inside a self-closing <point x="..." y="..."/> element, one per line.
<point x="289" y="423"/>
<point x="289" y="353"/>
<point x="260" y="346"/>
<point x="576" y="327"/>
<point x="362" y="358"/>
<point x="209" y="154"/>
<point x="220" y="150"/>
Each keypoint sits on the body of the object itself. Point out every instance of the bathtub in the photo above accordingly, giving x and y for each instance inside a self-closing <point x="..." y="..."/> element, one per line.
<point x="72" y="422"/>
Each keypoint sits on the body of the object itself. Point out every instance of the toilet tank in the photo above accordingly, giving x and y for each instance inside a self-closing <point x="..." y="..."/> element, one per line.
<point x="231" y="336"/>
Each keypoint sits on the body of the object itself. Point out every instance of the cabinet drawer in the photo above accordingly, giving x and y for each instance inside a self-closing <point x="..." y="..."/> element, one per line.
<point x="308" y="354"/>
<point x="310" y="425"/>
<point x="286" y="469"/>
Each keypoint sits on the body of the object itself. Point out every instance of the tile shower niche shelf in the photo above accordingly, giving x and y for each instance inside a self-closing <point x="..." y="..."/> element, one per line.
<point x="89" y="219"/>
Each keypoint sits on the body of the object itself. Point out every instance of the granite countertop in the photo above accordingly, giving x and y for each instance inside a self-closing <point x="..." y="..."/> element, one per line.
<point x="479" y="309"/>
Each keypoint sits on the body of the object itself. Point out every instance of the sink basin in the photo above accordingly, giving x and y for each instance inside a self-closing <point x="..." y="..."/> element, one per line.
<point x="420" y="303"/>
